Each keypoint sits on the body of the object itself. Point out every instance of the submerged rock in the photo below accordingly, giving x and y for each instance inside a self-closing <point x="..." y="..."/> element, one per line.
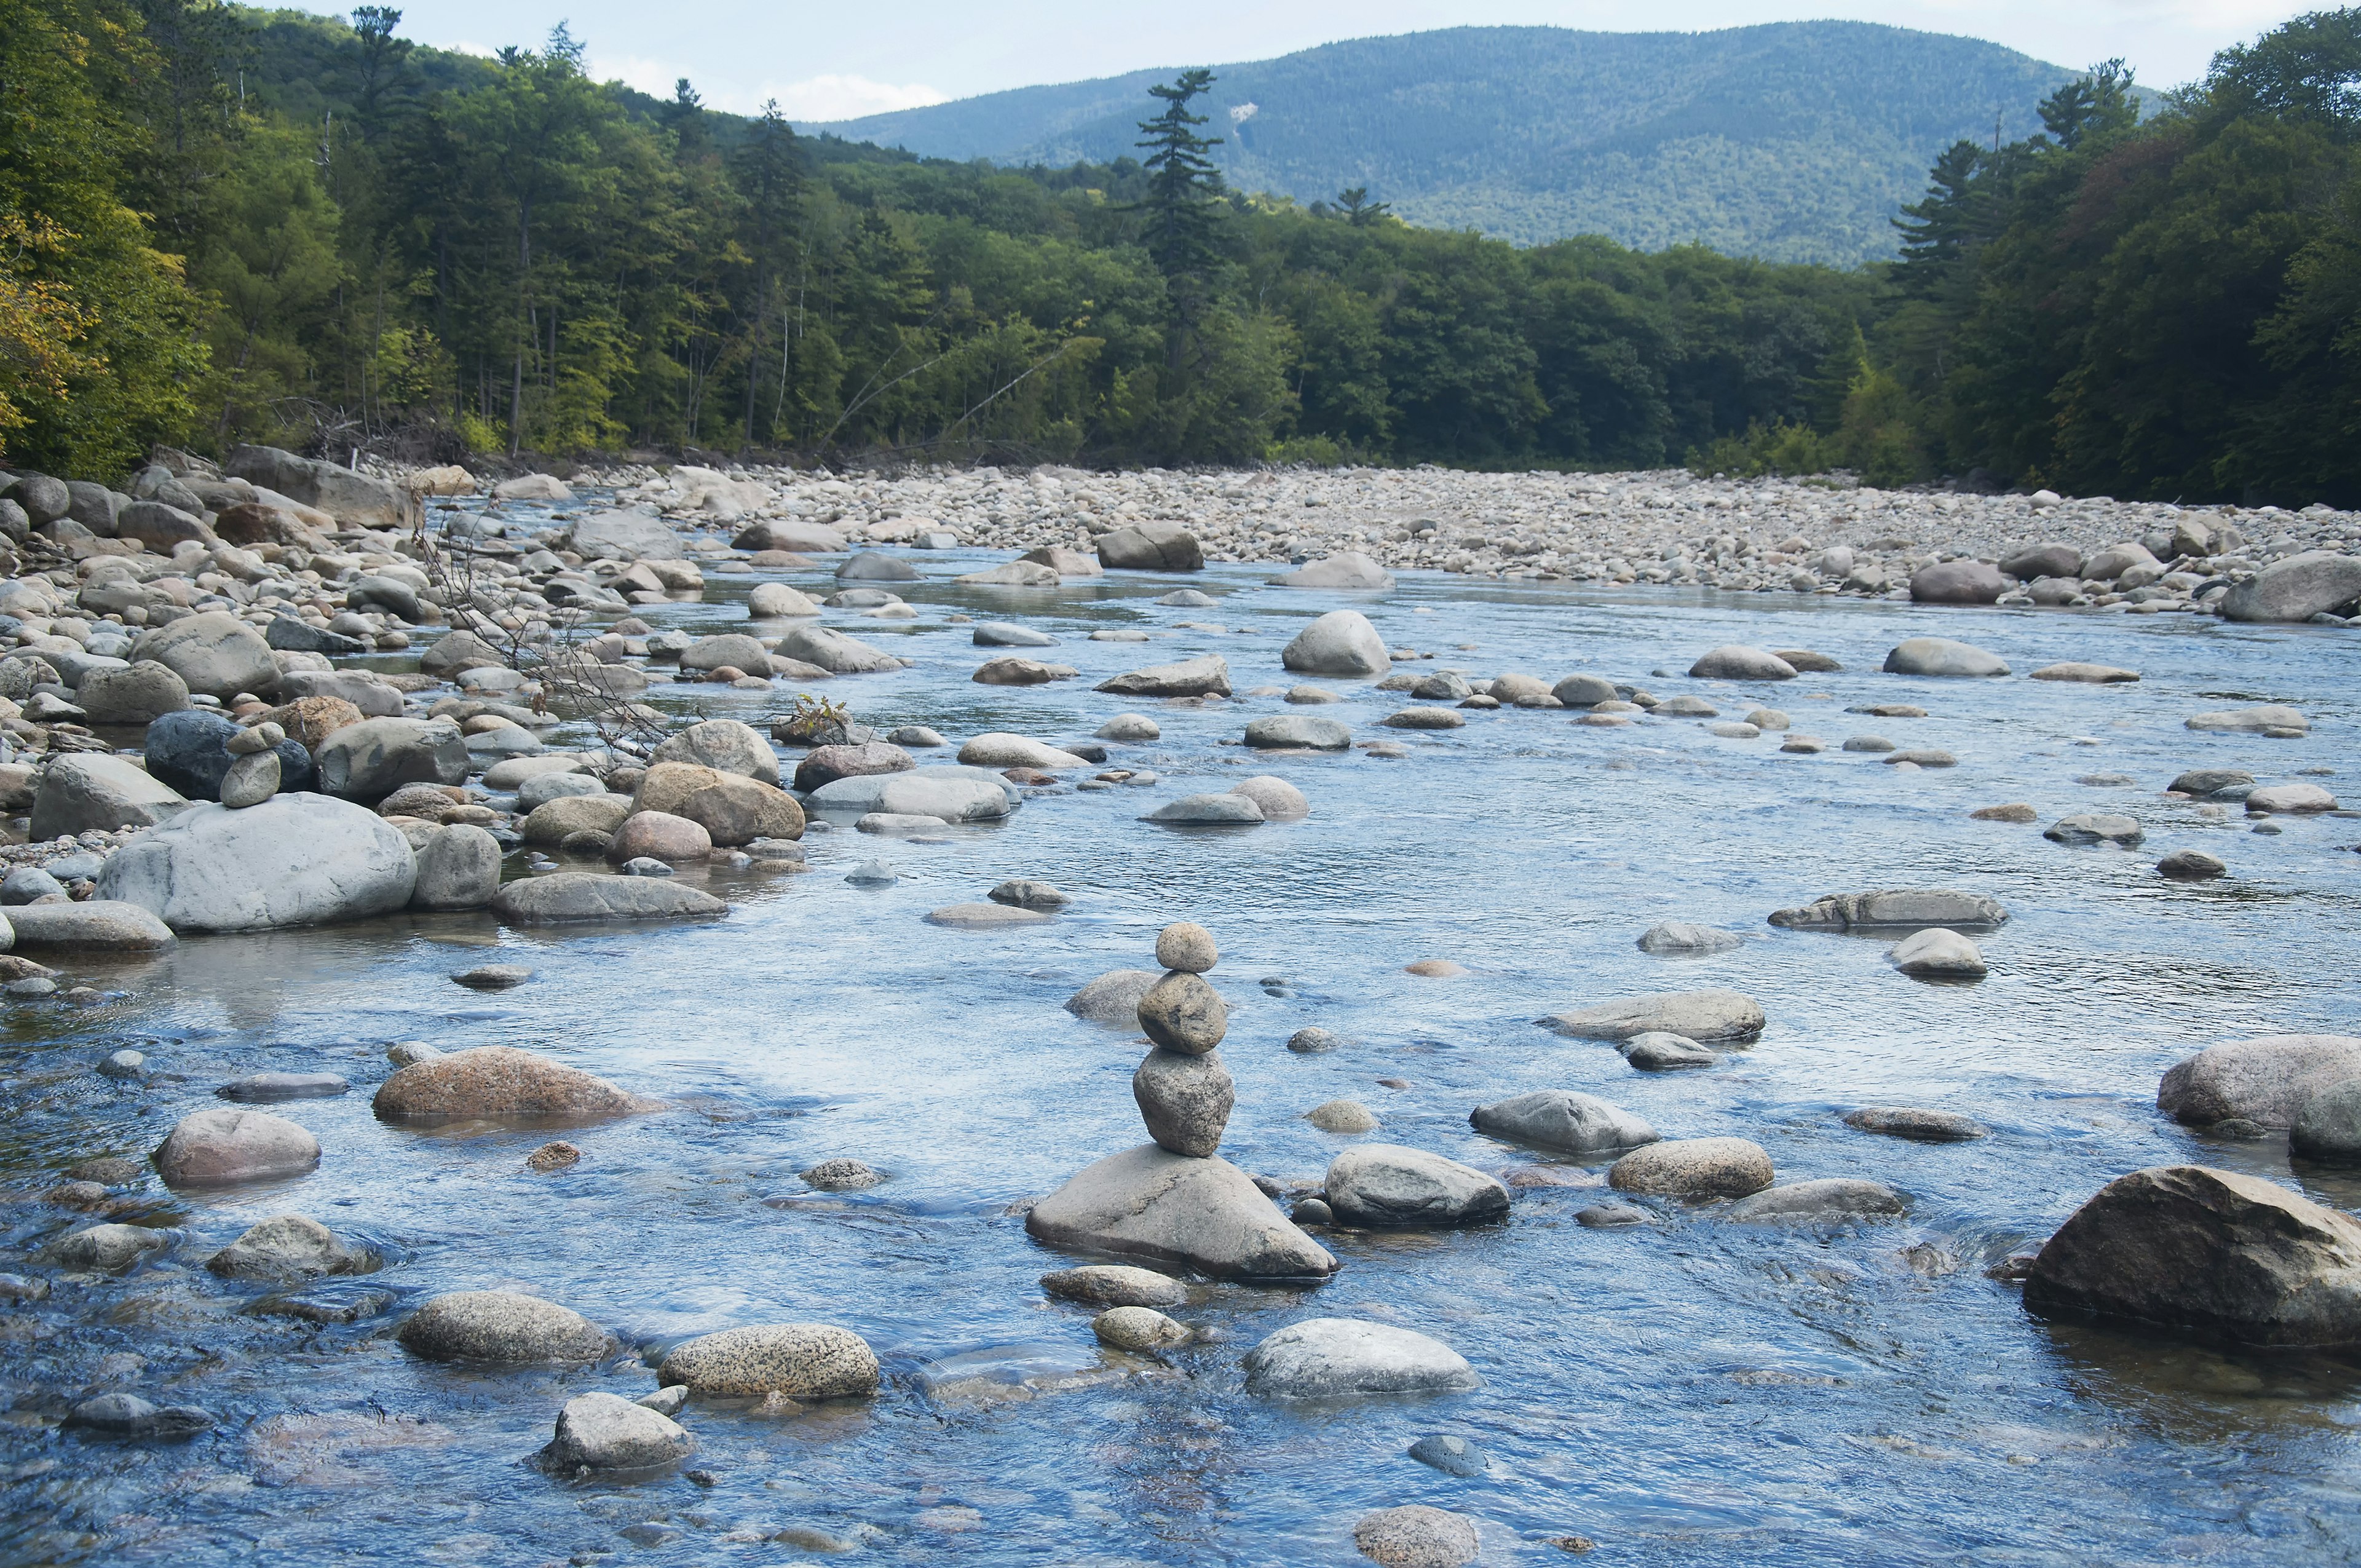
<point x="799" y="1361"/>
<point x="1895" y="907"/>
<point x="1331" y="1358"/>
<point x="1204" y="1214"/>
<point x="501" y="1326"/>
<point x="1116" y="1285"/>
<point x="1704" y="1015"/>
<point x="1941" y="656"/>
<point x="285" y="1248"/>
<point x="1679" y="940"/>
<point x="1828" y="1198"/>
<point x="2188" y="1247"/>
<point x="501" y="1081"/>
<point x="1114" y="997"/>
<point x="1562" y="1119"/>
<point x="1923" y="1127"/>
<point x="1452" y="1455"/>
<point x="1386" y="1184"/>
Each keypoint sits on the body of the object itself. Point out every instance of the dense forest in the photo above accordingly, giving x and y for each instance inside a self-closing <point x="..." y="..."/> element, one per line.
<point x="1792" y="141"/>
<point x="221" y="224"/>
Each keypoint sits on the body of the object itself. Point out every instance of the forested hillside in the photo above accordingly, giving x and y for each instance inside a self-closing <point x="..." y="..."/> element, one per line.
<point x="1793" y="142"/>
<point x="219" y="224"/>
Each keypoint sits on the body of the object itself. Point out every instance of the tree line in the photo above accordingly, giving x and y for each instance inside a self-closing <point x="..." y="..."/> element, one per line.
<point x="219" y="224"/>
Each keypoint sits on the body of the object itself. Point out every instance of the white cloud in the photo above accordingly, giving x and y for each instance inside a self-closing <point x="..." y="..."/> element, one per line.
<point x="832" y="97"/>
<point x="654" y="77"/>
<point x="482" y="51"/>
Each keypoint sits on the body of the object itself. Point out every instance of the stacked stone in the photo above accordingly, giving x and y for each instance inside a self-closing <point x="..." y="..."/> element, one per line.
<point x="253" y="775"/>
<point x="1184" y="1091"/>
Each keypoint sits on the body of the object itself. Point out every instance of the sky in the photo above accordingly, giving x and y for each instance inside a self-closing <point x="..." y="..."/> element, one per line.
<point x="825" y="62"/>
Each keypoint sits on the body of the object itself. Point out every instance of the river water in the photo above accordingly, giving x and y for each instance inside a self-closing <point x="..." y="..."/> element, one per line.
<point x="1687" y="1391"/>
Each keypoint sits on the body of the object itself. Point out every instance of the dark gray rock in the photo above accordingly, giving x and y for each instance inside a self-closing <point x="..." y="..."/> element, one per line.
<point x="1562" y="1119"/>
<point x="1386" y="1184"/>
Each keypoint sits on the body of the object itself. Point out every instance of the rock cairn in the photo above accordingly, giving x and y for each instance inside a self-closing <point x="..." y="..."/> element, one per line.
<point x="1184" y="1091"/>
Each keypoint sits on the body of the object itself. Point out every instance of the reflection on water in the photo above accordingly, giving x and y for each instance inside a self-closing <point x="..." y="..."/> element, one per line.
<point x="1681" y="1391"/>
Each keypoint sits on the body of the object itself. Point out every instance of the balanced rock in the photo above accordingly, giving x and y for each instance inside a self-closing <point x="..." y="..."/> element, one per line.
<point x="294" y="860"/>
<point x="1183" y="1013"/>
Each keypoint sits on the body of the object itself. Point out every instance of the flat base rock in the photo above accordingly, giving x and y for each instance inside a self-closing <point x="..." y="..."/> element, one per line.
<point x="564" y="897"/>
<point x="1702" y="1015"/>
<point x="1202" y="1214"/>
<point x="985" y="916"/>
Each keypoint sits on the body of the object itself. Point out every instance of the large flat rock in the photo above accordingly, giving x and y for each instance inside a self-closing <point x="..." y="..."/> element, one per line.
<point x="1204" y="1214"/>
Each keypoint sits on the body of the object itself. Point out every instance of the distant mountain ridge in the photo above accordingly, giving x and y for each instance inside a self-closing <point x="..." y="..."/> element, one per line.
<point x="1795" y="141"/>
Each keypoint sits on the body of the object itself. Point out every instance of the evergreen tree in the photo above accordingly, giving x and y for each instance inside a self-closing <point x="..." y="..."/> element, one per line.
<point x="1182" y="208"/>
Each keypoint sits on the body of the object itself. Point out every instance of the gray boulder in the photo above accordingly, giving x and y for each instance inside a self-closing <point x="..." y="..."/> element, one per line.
<point x="1680" y="939"/>
<point x="1657" y="1051"/>
<point x="1694" y="1167"/>
<point x="295" y="860"/>
<point x="1585" y="691"/>
<point x="1561" y="1119"/>
<point x="99" y="924"/>
<point x="1203" y="1214"/>
<point x="1386" y="1184"/>
<point x="1207" y="811"/>
<point x="835" y="653"/>
<point x="504" y="1327"/>
<point x="2052" y="560"/>
<point x="1894" y="909"/>
<point x="1935" y="953"/>
<point x="1116" y="1285"/>
<point x="458" y="867"/>
<point x="947" y="794"/>
<point x="2327" y="1125"/>
<point x="1417" y="1536"/>
<point x="565" y="897"/>
<point x="2296" y="588"/>
<point x="1941" y="656"/>
<point x="225" y="1145"/>
<point x="1113" y="998"/>
<point x="86" y="790"/>
<point x="1155" y="546"/>
<point x="1340" y="643"/>
<point x="606" y="1433"/>
<point x="215" y="653"/>
<point x="1208" y="674"/>
<point x="363" y="690"/>
<point x="286" y="1247"/>
<point x="1706" y="1015"/>
<point x="871" y="566"/>
<point x="1330" y="1358"/>
<point x="157" y="526"/>
<point x="624" y="536"/>
<point x="136" y="694"/>
<point x="2264" y="1081"/>
<point x="1828" y="1199"/>
<point x="1281" y="731"/>
<point x="2087" y="828"/>
<point x="1733" y="662"/>
<point x="107" y="1248"/>
<point x="352" y="498"/>
<point x="2187" y="1247"/>
<point x="1346" y="569"/>
<point x="1185" y="1099"/>
<point x="370" y="760"/>
<point x="725" y="744"/>
<point x="734" y="649"/>
<point x="1958" y="582"/>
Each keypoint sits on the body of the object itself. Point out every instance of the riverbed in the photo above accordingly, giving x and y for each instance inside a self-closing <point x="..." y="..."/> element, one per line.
<point x="1688" y="1390"/>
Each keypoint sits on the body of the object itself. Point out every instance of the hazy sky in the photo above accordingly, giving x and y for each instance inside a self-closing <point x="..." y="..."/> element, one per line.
<point x="830" y="62"/>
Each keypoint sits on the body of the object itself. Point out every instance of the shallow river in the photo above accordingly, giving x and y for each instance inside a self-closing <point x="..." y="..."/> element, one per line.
<point x="1687" y="1391"/>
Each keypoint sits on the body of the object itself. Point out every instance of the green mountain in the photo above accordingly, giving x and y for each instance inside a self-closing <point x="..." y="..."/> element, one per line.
<point x="1795" y="141"/>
